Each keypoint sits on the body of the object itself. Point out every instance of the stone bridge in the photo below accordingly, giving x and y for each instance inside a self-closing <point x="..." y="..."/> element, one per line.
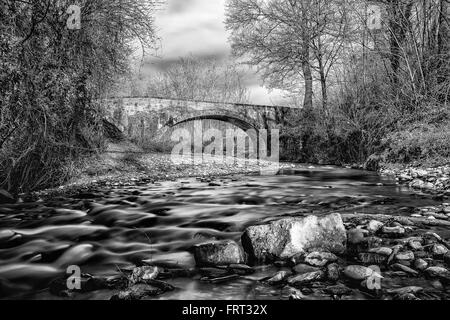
<point x="150" y="118"/>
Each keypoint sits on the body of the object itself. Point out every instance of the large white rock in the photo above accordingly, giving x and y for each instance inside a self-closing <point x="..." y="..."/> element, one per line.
<point x="285" y="238"/>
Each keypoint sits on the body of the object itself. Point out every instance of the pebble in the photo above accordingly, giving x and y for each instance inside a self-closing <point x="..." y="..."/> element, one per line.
<point x="438" y="272"/>
<point x="385" y="251"/>
<point x="394" y="231"/>
<point x="374" y="226"/>
<point x="333" y="272"/>
<point x="320" y="259"/>
<point x="304" y="268"/>
<point x="142" y="274"/>
<point x="415" y="245"/>
<point x="401" y="267"/>
<point x="306" y="278"/>
<point x="338" y="290"/>
<point x="355" y="236"/>
<point x="406" y="290"/>
<point x="438" y="250"/>
<point x="279" y="277"/>
<point x="356" y="272"/>
<point x="420" y="264"/>
<point x="371" y="258"/>
<point x="405" y="256"/>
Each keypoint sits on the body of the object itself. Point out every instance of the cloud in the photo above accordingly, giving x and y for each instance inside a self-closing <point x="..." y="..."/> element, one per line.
<point x="197" y="27"/>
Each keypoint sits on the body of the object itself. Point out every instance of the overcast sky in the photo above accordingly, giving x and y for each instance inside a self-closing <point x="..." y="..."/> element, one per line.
<point x="197" y="27"/>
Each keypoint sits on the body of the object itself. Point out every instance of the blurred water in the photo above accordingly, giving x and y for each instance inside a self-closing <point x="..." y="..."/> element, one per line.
<point x="108" y="228"/>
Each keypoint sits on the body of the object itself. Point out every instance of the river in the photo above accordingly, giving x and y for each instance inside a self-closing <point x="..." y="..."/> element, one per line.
<point x="109" y="228"/>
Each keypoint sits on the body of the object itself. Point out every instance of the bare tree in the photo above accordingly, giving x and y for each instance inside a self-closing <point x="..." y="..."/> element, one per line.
<point x="200" y="79"/>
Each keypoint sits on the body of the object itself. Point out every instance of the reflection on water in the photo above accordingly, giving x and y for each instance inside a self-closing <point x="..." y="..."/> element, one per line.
<point x="108" y="228"/>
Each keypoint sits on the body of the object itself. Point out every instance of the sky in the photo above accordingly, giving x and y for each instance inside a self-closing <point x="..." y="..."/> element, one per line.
<point x="197" y="27"/>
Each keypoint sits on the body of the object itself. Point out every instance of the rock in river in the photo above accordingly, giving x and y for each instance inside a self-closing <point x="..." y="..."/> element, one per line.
<point x="420" y="264"/>
<point x="438" y="272"/>
<point x="218" y="253"/>
<point x="374" y="226"/>
<point x="320" y="259"/>
<point x="438" y="250"/>
<point x="358" y="272"/>
<point x="333" y="272"/>
<point x="143" y="274"/>
<point x="304" y="268"/>
<point x="394" y="231"/>
<point x="285" y="238"/>
<point x="306" y="278"/>
<point x="405" y="256"/>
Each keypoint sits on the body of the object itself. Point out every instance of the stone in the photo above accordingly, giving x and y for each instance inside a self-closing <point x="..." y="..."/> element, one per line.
<point x="137" y="292"/>
<point x="142" y="274"/>
<point x="384" y="251"/>
<point x="305" y="278"/>
<point x="401" y="267"/>
<point x="437" y="285"/>
<point x="371" y="258"/>
<point x="405" y="290"/>
<point x="405" y="256"/>
<point x="6" y="197"/>
<point x="415" y="245"/>
<point x="338" y="290"/>
<point x="438" y="272"/>
<point x="241" y="269"/>
<point x="406" y="297"/>
<point x="438" y="250"/>
<point x="285" y="238"/>
<point x="420" y="264"/>
<point x="356" y="272"/>
<point x="393" y="231"/>
<point x="320" y="259"/>
<point x="355" y="236"/>
<point x="333" y="272"/>
<point x="304" y="268"/>
<point x="218" y="253"/>
<point x="374" y="226"/>
<point x="279" y="277"/>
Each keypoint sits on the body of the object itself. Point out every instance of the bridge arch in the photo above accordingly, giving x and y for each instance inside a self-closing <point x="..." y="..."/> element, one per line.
<point x="241" y="121"/>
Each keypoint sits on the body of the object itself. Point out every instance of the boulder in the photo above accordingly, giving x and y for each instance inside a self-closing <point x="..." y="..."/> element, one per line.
<point x="285" y="238"/>
<point x="218" y="253"/>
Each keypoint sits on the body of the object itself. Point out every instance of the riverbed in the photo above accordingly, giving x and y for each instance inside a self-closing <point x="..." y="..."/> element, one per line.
<point x="111" y="228"/>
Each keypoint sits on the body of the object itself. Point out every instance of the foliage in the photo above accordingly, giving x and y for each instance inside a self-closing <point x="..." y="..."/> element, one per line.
<point x="52" y="77"/>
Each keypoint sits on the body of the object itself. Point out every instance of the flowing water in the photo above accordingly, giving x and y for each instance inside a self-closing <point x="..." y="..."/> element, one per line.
<point x="114" y="227"/>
